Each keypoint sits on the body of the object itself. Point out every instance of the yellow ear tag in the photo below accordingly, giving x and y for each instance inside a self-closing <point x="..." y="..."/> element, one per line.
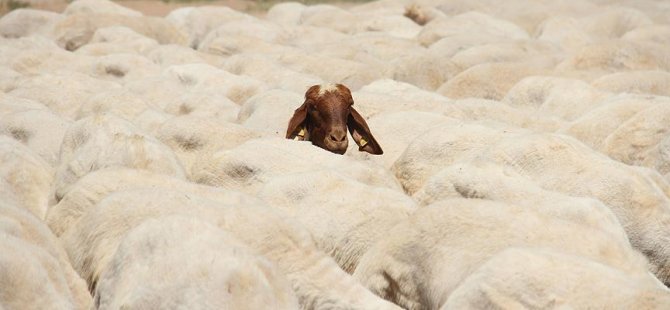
<point x="301" y="134"/>
<point x="362" y="142"/>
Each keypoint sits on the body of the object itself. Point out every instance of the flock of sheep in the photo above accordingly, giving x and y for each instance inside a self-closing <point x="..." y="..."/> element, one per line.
<point x="526" y="157"/>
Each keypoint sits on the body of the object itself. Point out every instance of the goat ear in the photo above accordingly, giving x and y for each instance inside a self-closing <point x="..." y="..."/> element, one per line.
<point x="361" y="133"/>
<point x="297" y="126"/>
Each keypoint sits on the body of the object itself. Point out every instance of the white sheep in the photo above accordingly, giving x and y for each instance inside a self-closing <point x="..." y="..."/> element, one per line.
<point x="557" y="163"/>
<point x="26" y="22"/>
<point x="97" y="185"/>
<point x="541" y="278"/>
<point x="255" y="162"/>
<point x="27" y="176"/>
<point x="34" y="270"/>
<point x="345" y="217"/>
<point x="105" y="140"/>
<point x="185" y="262"/>
<point x="40" y="130"/>
<point x="98" y="6"/>
<point x="316" y="280"/>
<point x="423" y="259"/>
<point x="62" y="92"/>
<point x="194" y="138"/>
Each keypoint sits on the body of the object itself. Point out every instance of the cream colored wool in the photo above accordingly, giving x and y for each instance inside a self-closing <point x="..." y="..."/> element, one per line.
<point x="423" y="260"/>
<point x="345" y="217"/>
<point x="315" y="278"/>
<point x="27" y="176"/>
<point x="184" y="262"/>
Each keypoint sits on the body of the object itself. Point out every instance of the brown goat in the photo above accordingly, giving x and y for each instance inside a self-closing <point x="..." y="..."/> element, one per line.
<point x="324" y="118"/>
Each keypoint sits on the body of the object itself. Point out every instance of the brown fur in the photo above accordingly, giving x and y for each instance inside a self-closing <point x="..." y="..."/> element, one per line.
<point x="326" y="115"/>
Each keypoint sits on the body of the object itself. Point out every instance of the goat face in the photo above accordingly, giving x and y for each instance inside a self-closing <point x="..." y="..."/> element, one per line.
<point x="324" y="118"/>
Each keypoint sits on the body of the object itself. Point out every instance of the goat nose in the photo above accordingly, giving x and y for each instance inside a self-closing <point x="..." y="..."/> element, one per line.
<point x="338" y="136"/>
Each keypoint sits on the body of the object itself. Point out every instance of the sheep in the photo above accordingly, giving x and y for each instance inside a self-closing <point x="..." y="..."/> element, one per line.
<point x="324" y="118"/>
<point x="268" y="70"/>
<point x="117" y="40"/>
<point x="255" y="162"/>
<point x="98" y="6"/>
<point x="198" y="22"/>
<point x="479" y="23"/>
<point x="386" y="95"/>
<point x="193" y="264"/>
<point x="34" y="270"/>
<point x="615" y="56"/>
<point x="194" y="137"/>
<point x="316" y="280"/>
<point x="286" y="13"/>
<point x="391" y="130"/>
<point x="481" y="179"/>
<point x="268" y="111"/>
<point x="562" y="97"/>
<point x="427" y="70"/>
<point x="207" y="78"/>
<point x="641" y="132"/>
<point x="423" y="259"/>
<point x="26" y="175"/>
<point x="563" y="31"/>
<point x="106" y="140"/>
<point x="345" y="217"/>
<point x="652" y="33"/>
<point x="206" y="104"/>
<point x="97" y="185"/>
<point x="595" y="125"/>
<point x="653" y="82"/>
<point x="121" y="102"/>
<point x="25" y="22"/>
<point x="39" y="129"/>
<point x="62" y="92"/>
<point x="542" y="278"/>
<point x="491" y="80"/>
<point x="76" y="30"/>
<point x="634" y="194"/>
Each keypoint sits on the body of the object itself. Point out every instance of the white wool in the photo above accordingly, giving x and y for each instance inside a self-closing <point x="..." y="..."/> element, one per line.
<point x="207" y="78"/>
<point x="39" y="129"/>
<point x="105" y="140"/>
<point x="62" y="92"/>
<point x="193" y="138"/>
<point x="345" y="217"/>
<point x="118" y="101"/>
<point x="98" y="6"/>
<point x="255" y="162"/>
<point x="265" y="68"/>
<point x="553" y="112"/>
<point x="558" y="163"/>
<point x="472" y="23"/>
<point x="423" y="259"/>
<point x="270" y="111"/>
<point x="565" y="98"/>
<point x="198" y="22"/>
<point x="35" y="272"/>
<point x="540" y="278"/>
<point x="191" y="263"/>
<point x="76" y="30"/>
<point x="286" y="13"/>
<point x="27" y="176"/>
<point x="97" y="185"/>
<point x="594" y="126"/>
<point x="655" y="82"/>
<point x="315" y="278"/>
<point x="492" y="80"/>
<point x="26" y="22"/>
